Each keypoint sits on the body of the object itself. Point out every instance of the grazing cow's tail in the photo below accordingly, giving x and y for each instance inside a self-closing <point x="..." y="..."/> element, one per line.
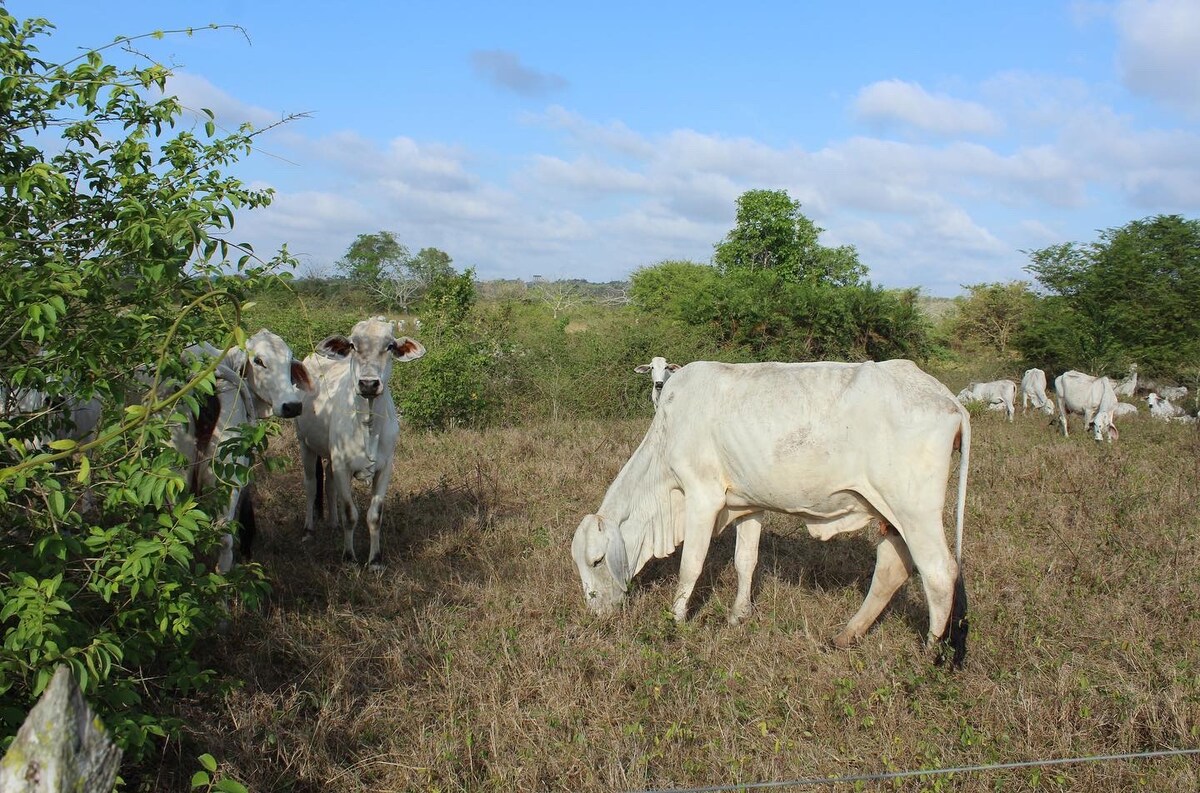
<point x="964" y="461"/>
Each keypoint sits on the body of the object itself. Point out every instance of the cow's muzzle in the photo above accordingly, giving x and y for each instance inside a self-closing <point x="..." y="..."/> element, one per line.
<point x="369" y="387"/>
<point x="291" y="409"/>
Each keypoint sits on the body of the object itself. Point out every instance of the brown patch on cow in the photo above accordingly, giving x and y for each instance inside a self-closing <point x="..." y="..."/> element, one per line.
<point x="205" y="426"/>
<point x="885" y="527"/>
<point x="957" y="441"/>
<point x="402" y="348"/>
<point x="300" y="377"/>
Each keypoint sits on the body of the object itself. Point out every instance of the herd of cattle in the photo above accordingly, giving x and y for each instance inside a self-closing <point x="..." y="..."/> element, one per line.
<point x="1093" y="398"/>
<point x="841" y="445"/>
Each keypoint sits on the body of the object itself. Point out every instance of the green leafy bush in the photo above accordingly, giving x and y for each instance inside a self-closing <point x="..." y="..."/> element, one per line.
<point x="114" y="255"/>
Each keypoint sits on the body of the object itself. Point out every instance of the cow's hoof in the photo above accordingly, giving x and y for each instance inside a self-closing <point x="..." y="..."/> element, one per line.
<point x="843" y="640"/>
<point x="377" y="564"/>
<point x="348" y="558"/>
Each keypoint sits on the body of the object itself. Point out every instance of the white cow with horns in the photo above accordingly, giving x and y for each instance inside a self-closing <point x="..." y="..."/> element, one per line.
<point x="1091" y="397"/>
<point x="352" y="423"/>
<point x="660" y="371"/>
<point x="997" y="395"/>
<point x="1033" y="390"/>
<point x="841" y="445"/>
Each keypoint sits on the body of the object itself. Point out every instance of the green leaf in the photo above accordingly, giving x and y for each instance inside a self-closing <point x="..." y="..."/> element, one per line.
<point x="63" y="444"/>
<point x="201" y="779"/>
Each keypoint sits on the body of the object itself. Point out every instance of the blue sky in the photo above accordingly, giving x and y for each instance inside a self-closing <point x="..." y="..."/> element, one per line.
<point x="585" y="140"/>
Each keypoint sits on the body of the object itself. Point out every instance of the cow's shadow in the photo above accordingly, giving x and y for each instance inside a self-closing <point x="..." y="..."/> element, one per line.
<point x="789" y="555"/>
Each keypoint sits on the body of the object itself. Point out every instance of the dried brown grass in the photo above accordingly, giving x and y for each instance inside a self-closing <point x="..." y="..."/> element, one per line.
<point x="471" y="663"/>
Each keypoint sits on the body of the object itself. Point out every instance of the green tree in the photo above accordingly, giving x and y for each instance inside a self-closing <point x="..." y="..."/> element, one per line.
<point x="1128" y="297"/>
<point x="114" y="255"/>
<point x="771" y="233"/>
<point x="370" y="257"/>
<point x="991" y="315"/>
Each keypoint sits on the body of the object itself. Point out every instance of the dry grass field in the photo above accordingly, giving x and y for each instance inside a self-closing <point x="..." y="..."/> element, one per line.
<point x="471" y="663"/>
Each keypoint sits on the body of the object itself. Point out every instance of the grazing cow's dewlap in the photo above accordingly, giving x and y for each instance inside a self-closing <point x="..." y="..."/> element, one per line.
<point x="1091" y="397"/>
<point x="839" y="445"/>
<point x="352" y="423"/>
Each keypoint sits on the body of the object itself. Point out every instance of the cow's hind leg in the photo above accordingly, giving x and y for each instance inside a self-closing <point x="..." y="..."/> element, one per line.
<point x="745" y="559"/>
<point x="942" y="581"/>
<point x="893" y="565"/>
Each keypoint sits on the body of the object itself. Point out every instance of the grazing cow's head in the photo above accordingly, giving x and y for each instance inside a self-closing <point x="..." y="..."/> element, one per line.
<point x="276" y="379"/>
<point x="371" y="349"/>
<point x="1048" y="406"/>
<point x="659" y="371"/>
<point x="599" y="552"/>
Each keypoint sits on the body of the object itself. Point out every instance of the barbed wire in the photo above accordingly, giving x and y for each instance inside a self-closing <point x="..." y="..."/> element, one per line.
<point x="966" y="769"/>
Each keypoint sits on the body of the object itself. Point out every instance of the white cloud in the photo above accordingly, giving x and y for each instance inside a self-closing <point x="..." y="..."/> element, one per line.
<point x="908" y="104"/>
<point x="1159" y="50"/>
<point x="196" y="93"/>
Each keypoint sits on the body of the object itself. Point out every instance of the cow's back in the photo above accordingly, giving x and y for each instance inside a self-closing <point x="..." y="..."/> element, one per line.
<point x="775" y="423"/>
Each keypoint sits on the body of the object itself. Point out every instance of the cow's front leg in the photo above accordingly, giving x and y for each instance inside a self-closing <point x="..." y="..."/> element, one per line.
<point x="745" y="559"/>
<point x="379" y="486"/>
<point x="342" y="496"/>
<point x="699" y="520"/>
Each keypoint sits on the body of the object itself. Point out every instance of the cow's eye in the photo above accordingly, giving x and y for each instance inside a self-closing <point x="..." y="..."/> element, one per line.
<point x="596" y="563"/>
<point x="259" y="362"/>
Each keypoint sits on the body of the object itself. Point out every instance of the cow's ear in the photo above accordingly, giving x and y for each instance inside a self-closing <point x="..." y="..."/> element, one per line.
<point x="673" y="367"/>
<point x="335" y="347"/>
<point x="406" y="349"/>
<point x="301" y="378"/>
<point x="642" y="368"/>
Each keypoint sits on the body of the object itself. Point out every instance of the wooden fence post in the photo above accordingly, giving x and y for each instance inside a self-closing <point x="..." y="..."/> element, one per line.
<point x="61" y="747"/>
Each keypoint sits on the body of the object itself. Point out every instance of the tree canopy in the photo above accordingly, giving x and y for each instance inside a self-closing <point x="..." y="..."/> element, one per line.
<point x="1129" y="297"/>
<point x="771" y="233"/>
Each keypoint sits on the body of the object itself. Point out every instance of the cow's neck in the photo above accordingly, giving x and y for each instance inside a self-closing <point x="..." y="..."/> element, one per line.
<point x="640" y="502"/>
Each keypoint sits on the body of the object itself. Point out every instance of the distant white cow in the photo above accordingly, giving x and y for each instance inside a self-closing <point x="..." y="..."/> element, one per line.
<point x="660" y="371"/>
<point x="1033" y="390"/>
<point x="1161" y="408"/>
<point x="262" y="380"/>
<point x="1091" y="397"/>
<point x="840" y="445"/>
<point x="67" y="417"/>
<point x="997" y="395"/>
<point x="1124" y="409"/>
<point x="352" y="423"/>
<point x="1128" y="386"/>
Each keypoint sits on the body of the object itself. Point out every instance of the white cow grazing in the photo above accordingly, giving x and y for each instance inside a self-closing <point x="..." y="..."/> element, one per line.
<point x="1091" y="397"/>
<point x="352" y="423"/>
<point x="1128" y="386"/>
<point x="1033" y="390"/>
<point x="998" y="395"/>
<point x="660" y="371"/>
<point x="262" y="380"/>
<point x="840" y="445"/>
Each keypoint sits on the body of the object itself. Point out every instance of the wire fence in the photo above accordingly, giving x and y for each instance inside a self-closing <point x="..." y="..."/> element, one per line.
<point x="884" y="777"/>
